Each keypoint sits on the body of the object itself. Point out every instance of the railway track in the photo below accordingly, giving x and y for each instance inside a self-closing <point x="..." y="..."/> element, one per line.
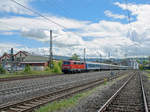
<point x="31" y="104"/>
<point x="130" y="97"/>
<point x="27" y="77"/>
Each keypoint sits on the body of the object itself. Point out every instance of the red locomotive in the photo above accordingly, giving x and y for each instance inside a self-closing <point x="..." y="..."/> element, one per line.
<point x="70" y="66"/>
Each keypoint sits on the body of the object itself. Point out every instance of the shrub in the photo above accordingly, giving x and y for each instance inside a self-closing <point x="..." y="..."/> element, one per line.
<point x="56" y="67"/>
<point x="27" y="69"/>
<point x="141" y="67"/>
<point x="60" y="64"/>
<point x="47" y="69"/>
<point x="105" y="81"/>
<point x="2" y="70"/>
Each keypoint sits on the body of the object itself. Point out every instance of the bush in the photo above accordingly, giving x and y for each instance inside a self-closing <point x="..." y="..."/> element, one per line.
<point x="47" y="69"/>
<point x="56" y="67"/>
<point x="60" y="64"/>
<point x="2" y="70"/>
<point x="27" y="69"/>
<point x="141" y="67"/>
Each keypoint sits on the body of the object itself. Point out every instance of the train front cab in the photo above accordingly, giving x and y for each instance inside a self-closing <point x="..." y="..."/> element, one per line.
<point x="73" y="67"/>
<point x="66" y="67"/>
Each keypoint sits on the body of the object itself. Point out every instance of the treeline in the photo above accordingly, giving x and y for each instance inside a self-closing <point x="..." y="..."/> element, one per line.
<point x="145" y="64"/>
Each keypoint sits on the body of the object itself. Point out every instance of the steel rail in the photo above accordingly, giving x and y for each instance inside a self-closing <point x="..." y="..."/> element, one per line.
<point x="103" y="108"/>
<point x="28" y="77"/>
<point x="143" y="94"/>
<point x="94" y="83"/>
<point x="31" y="77"/>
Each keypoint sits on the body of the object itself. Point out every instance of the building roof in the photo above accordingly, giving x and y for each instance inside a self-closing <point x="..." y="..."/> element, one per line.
<point x="28" y="57"/>
<point x="32" y="62"/>
<point x="5" y="55"/>
<point x="35" y="58"/>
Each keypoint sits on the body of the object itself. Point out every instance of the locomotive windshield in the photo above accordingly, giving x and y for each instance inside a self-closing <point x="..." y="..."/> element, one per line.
<point x="66" y="63"/>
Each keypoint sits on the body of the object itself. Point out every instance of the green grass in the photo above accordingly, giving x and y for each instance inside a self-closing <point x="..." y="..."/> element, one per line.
<point x="70" y="102"/>
<point x="148" y="75"/>
<point x="32" y="73"/>
<point x="65" y="103"/>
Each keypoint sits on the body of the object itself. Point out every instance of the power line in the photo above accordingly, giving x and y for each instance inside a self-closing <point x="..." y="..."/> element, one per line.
<point x="128" y="15"/>
<point x="129" y="21"/>
<point x="38" y="14"/>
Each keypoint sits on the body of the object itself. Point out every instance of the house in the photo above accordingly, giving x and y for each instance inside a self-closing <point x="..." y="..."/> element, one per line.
<point x="36" y="62"/>
<point x="4" y="60"/>
<point x="23" y="58"/>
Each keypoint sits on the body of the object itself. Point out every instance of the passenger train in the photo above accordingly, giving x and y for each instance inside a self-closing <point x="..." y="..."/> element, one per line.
<point x="71" y="66"/>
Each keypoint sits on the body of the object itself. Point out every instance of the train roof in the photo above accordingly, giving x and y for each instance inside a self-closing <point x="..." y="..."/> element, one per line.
<point x="89" y="62"/>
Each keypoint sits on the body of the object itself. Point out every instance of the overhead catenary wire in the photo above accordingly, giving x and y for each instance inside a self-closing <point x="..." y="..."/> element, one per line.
<point x="130" y="25"/>
<point x="128" y="15"/>
<point x="41" y="15"/>
<point x="129" y="20"/>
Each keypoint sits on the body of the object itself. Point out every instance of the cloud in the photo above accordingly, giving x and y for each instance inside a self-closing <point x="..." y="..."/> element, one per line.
<point x="38" y="29"/>
<point x="105" y="29"/>
<point x="5" y="47"/>
<point x="106" y="36"/>
<point x="60" y="38"/>
<point x="115" y="16"/>
<point x="40" y="23"/>
<point x="9" y="45"/>
<point x="7" y="6"/>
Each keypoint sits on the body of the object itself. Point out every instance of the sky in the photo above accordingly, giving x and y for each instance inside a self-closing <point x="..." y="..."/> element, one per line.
<point x="100" y="26"/>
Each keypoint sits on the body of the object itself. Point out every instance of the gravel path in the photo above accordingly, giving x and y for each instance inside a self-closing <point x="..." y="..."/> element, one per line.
<point x="23" y="89"/>
<point x="94" y="101"/>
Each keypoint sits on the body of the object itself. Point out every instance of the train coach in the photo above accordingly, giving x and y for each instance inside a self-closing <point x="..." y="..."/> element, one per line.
<point x="90" y="66"/>
<point x="71" y="66"/>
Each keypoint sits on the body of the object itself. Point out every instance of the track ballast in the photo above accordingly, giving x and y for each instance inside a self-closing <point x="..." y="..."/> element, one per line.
<point x="129" y="98"/>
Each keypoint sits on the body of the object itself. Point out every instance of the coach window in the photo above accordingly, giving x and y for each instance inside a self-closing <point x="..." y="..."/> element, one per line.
<point x="66" y="63"/>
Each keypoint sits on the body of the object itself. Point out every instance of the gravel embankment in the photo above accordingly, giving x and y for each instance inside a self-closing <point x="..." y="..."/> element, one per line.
<point x="146" y="82"/>
<point x="94" y="101"/>
<point x="23" y="89"/>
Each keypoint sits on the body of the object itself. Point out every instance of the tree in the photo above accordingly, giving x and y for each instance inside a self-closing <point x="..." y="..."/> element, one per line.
<point x="138" y="61"/>
<point x="27" y="69"/>
<point x="2" y="70"/>
<point x="145" y="62"/>
<point x="75" y="57"/>
<point x="56" y="68"/>
<point x="149" y="60"/>
<point x="141" y="67"/>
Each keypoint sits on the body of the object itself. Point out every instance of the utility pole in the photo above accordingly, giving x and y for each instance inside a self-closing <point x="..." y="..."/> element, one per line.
<point x="50" y="51"/>
<point x="149" y="61"/>
<point x="12" y="59"/>
<point x="84" y="55"/>
<point x="99" y="57"/>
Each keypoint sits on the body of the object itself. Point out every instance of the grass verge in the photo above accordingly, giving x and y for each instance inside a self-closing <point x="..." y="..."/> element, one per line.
<point x="33" y="73"/>
<point x="72" y="101"/>
<point x="65" y="103"/>
<point x="148" y="75"/>
<point x="148" y="70"/>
